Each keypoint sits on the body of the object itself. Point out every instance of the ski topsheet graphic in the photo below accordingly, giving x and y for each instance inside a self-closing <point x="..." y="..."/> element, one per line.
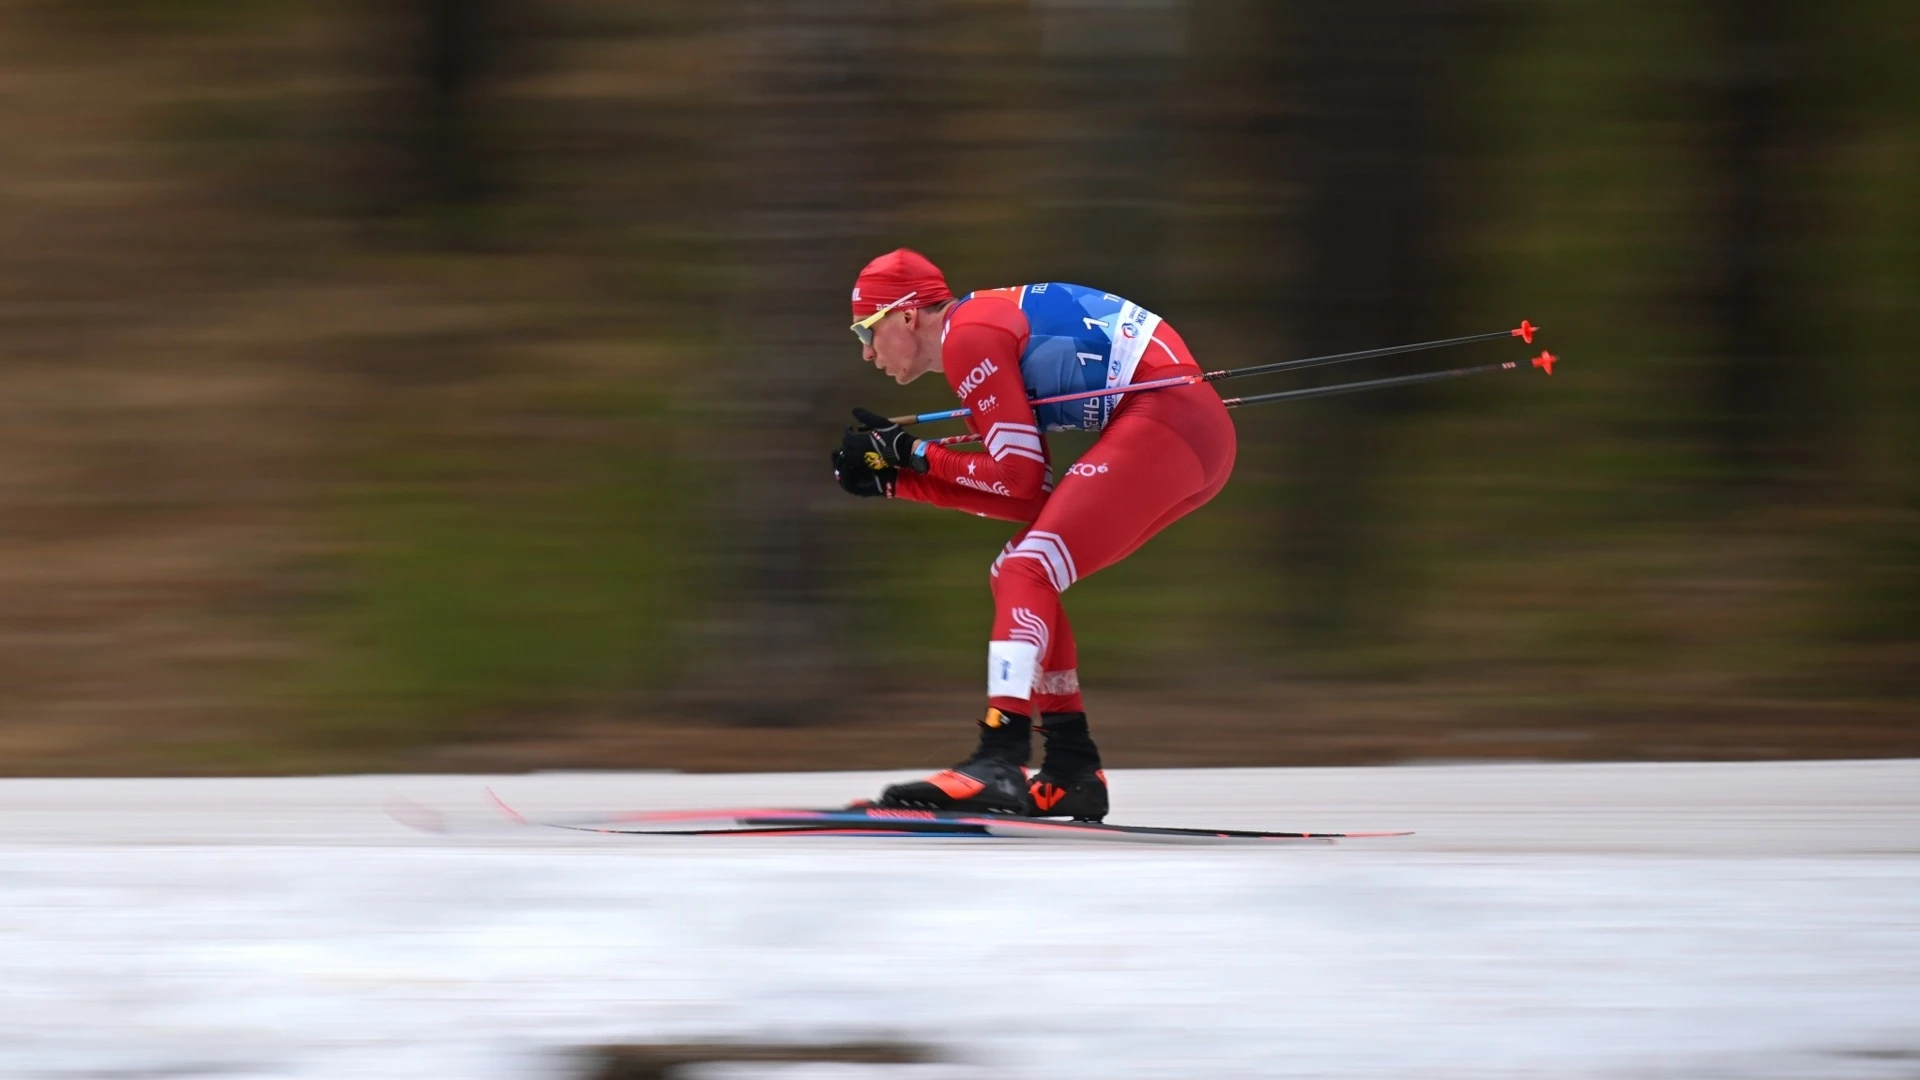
<point x="881" y="821"/>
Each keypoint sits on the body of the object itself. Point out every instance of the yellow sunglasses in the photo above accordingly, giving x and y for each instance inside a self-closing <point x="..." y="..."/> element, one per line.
<point x="864" y="328"/>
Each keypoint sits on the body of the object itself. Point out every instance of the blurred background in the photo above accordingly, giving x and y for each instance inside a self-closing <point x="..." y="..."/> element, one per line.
<point x="448" y="384"/>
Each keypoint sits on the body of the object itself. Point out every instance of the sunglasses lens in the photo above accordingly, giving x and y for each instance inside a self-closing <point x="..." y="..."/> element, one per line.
<point x="864" y="328"/>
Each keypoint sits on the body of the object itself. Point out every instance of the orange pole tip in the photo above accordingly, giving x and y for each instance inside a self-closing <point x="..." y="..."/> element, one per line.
<point x="1545" y="361"/>
<point x="1524" y="331"/>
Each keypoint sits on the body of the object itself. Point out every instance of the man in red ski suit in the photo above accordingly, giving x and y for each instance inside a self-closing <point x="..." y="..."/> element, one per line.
<point x="1161" y="454"/>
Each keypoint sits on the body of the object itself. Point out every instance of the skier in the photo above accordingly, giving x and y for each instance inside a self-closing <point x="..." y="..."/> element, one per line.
<point x="1160" y="455"/>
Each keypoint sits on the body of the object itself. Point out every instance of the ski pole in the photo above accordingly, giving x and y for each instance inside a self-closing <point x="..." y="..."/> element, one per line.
<point x="1524" y="331"/>
<point x="1151" y="384"/>
<point x="1544" y="362"/>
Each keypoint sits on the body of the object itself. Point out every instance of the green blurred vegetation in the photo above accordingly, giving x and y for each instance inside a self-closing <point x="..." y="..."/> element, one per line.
<point x="546" y="302"/>
<point x="502" y="575"/>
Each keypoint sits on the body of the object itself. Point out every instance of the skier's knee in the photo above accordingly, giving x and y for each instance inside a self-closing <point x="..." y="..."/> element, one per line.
<point x="1020" y="577"/>
<point x="1039" y="559"/>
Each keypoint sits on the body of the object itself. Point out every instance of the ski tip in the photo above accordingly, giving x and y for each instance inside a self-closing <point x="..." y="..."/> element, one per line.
<point x="506" y="811"/>
<point x="416" y="816"/>
<point x="1524" y="331"/>
<point x="1545" y="361"/>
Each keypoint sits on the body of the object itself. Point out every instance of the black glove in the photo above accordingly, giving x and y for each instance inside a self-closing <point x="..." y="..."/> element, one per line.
<point x="857" y="479"/>
<point x="889" y="440"/>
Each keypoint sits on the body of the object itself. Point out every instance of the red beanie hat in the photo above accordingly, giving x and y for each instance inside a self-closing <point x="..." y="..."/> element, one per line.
<point x="894" y="275"/>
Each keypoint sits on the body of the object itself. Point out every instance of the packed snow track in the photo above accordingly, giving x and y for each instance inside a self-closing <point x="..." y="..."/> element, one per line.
<point x="1659" y="921"/>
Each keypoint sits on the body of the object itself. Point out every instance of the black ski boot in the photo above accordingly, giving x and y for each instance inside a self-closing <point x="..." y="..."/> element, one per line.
<point x="991" y="781"/>
<point x="1070" y="783"/>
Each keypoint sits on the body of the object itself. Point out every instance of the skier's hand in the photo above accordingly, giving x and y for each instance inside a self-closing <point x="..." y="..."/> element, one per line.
<point x="891" y="442"/>
<point x="856" y="478"/>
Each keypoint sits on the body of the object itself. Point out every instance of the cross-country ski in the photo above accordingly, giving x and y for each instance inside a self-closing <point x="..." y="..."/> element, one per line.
<point x="883" y="821"/>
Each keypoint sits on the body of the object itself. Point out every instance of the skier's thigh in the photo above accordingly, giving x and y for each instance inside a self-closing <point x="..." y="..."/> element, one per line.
<point x="1125" y="488"/>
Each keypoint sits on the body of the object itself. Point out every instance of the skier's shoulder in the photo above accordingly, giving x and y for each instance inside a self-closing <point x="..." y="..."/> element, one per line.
<point x="995" y="308"/>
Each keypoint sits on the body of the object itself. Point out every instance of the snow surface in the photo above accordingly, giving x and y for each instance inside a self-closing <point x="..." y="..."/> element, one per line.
<point x="1633" y="921"/>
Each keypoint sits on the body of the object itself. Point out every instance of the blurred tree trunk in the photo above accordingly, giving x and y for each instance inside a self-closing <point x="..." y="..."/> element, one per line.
<point x="1110" y="71"/>
<point x="429" y="130"/>
<point x="1759" y="388"/>
<point x="811" y="149"/>
<point x="1372" y="76"/>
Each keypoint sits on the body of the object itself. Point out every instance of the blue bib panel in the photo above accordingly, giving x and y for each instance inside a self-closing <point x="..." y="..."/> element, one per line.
<point x="1082" y="339"/>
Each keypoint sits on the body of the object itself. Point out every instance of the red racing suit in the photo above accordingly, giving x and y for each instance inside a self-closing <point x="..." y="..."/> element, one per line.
<point x="1160" y="455"/>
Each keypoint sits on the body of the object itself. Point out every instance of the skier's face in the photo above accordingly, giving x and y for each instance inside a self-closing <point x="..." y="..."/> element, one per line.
<point x="897" y="348"/>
